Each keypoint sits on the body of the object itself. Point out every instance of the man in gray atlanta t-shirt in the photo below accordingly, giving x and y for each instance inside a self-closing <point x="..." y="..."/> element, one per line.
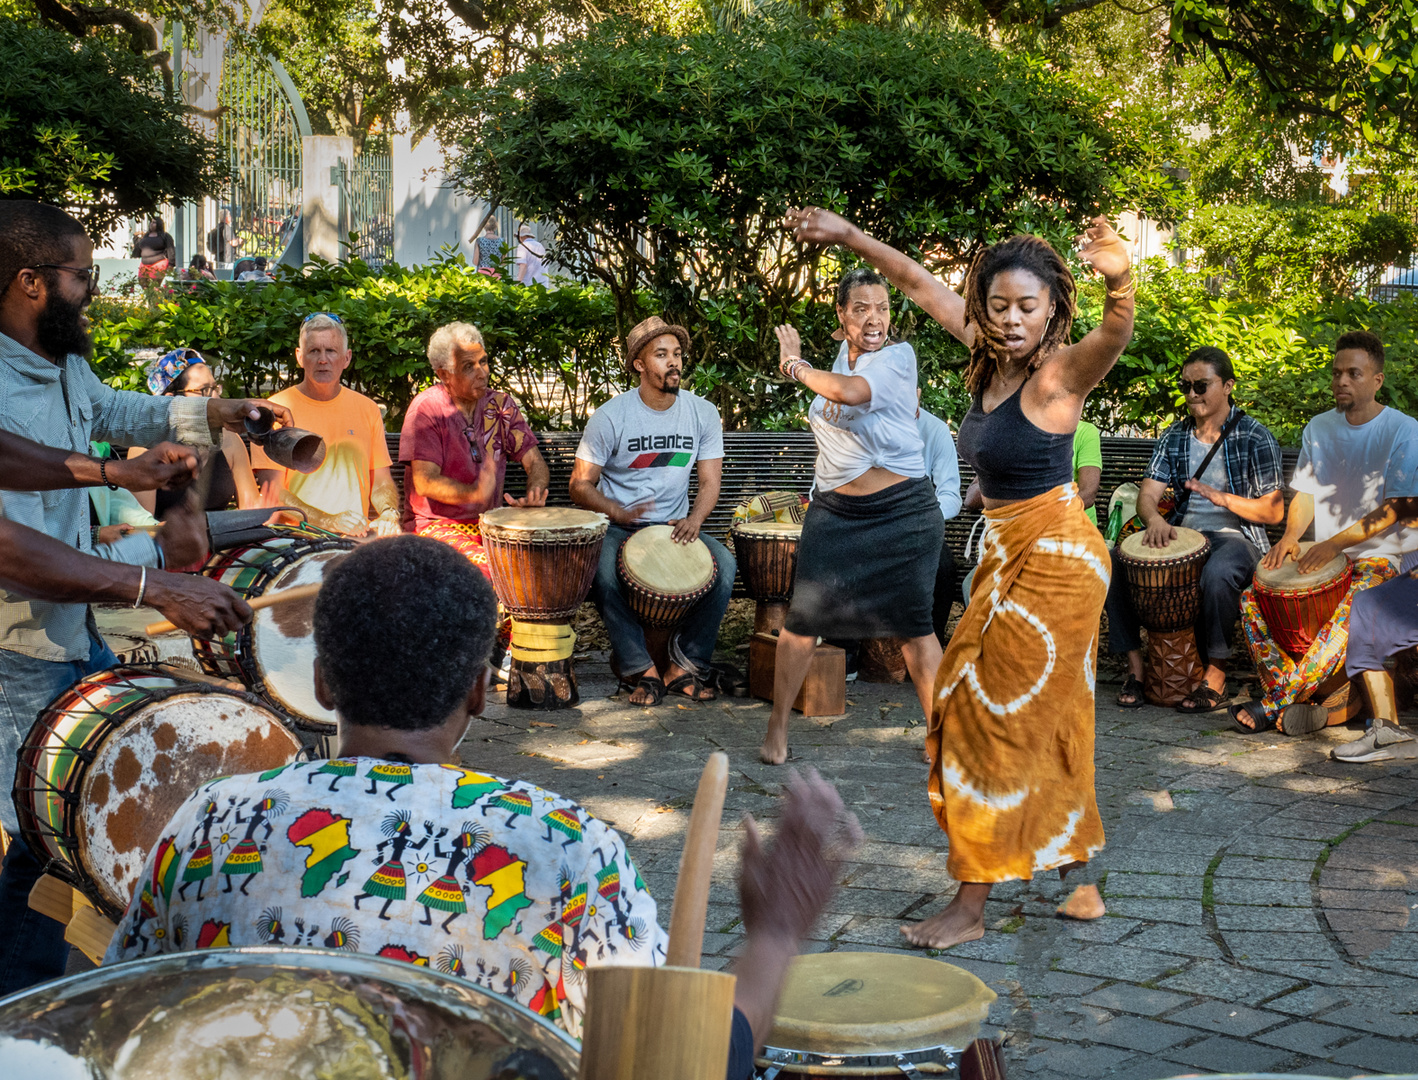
<point x="633" y="465"/>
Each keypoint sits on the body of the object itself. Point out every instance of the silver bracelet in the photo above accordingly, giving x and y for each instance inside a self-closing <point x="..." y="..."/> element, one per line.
<point x="142" y="587"/>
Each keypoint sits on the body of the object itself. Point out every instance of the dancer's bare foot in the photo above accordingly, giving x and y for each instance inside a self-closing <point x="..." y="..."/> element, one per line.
<point x="774" y="750"/>
<point x="1084" y="903"/>
<point x="952" y="926"/>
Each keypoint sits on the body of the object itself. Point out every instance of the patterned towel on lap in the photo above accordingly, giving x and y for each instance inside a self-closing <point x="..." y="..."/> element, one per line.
<point x="1011" y="735"/>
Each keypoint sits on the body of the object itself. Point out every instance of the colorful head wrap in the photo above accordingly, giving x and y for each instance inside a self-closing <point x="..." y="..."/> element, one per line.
<point x="165" y="370"/>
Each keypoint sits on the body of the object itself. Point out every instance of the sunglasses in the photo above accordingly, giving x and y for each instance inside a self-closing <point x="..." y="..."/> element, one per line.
<point x="473" y="446"/>
<point x="1194" y="386"/>
<point x="327" y="314"/>
<point x="87" y="274"/>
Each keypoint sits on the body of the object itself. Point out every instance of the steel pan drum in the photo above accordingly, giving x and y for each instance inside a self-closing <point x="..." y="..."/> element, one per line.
<point x="270" y="1014"/>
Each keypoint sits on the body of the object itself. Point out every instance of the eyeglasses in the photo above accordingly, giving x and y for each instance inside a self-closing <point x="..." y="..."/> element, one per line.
<point x="477" y="451"/>
<point x="87" y="274"/>
<point x="1193" y="386"/>
<point x="214" y="390"/>
<point x="327" y="314"/>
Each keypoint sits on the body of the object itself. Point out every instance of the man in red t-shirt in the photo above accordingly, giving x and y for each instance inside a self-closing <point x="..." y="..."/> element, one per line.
<point x="457" y="439"/>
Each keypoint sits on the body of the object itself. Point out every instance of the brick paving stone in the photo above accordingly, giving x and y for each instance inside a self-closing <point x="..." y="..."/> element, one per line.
<point x="1104" y="929"/>
<point x="1276" y="847"/>
<point x="1306" y="1037"/>
<point x="1226" y="1018"/>
<point x="1377" y="1019"/>
<point x="1241" y="891"/>
<point x="1182" y="940"/>
<point x="1121" y="997"/>
<point x="1214" y="979"/>
<point x="1278" y="946"/>
<point x="1162" y="886"/>
<point x="1226" y="1055"/>
<point x="1135" y="1033"/>
<point x="1066" y="1059"/>
<point x="1273" y="919"/>
<point x="1251" y="868"/>
<point x="1186" y="912"/>
<point x="1312" y="1000"/>
<point x="1119" y="962"/>
<point x="1380" y="1055"/>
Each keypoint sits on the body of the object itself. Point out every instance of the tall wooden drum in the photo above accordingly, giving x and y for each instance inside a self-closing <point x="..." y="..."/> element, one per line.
<point x="663" y="580"/>
<point x="1296" y="606"/>
<point x="1165" y="586"/>
<point x="543" y="560"/>
<point x="767" y="554"/>
<point x="874" y="1014"/>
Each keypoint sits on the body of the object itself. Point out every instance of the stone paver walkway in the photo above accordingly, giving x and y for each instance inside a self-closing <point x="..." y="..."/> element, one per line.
<point x="1260" y="896"/>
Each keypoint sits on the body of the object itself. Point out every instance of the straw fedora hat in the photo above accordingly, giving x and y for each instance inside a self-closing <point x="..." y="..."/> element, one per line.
<point x="645" y="332"/>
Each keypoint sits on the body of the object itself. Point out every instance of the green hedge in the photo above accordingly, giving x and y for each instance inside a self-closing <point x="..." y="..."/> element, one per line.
<point x="556" y="349"/>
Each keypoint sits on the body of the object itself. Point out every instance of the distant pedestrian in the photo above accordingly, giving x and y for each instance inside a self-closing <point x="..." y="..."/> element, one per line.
<point x="531" y="253"/>
<point x="489" y="246"/>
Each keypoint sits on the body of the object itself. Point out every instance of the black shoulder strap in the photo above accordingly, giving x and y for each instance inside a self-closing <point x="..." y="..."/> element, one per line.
<point x="1184" y="496"/>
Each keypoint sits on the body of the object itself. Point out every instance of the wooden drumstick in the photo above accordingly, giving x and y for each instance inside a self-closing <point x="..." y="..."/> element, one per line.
<point x="285" y="596"/>
<point x="696" y="865"/>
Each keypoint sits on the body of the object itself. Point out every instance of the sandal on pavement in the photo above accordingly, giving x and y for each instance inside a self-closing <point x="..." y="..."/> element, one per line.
<point x="1132" y="687"/>
<point x="689" y="679"/>
<point x="1256" y="712"/>
<point x="653" y="686"/>
<point x="1303" y="719"/>
<point x="1204" y="700"/>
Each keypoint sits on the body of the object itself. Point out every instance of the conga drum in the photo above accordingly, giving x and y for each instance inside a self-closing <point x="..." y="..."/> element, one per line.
<point x="543" y="560"/>
<point x="663" y="580"/>
<point x="767" y="554"/>
<point x="874" y="1014"/>
<point x="105" y="766"/>
<point x="1165" y="586"/>
<point x="274" y="654"/>
<point x="278" y="1013"/>
<point x="1296" y="606"/>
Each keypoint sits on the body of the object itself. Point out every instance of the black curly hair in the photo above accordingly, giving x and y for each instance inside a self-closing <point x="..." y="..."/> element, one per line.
<point x="852" y="279"/>
<point x="1022" y="252"/>
<point x="403" y="629"/>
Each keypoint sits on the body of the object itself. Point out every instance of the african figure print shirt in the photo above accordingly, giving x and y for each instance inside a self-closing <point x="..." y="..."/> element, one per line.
<point x="497" y="881"/>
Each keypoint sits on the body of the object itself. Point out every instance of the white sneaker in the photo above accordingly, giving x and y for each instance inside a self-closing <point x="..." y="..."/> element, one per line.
<point x="1382" y="742"/>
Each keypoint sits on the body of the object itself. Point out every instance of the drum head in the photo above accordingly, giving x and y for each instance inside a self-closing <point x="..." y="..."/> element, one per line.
<point x="1289" y="579"/>
<point x="868" y="1003"/>
<point x="1187" y="542"/>
<point x="540" y="519"/>
<point x="277" y="1013"/>
<point x="152" y="763"/>
<point x="655" y="561"/>
<point x="283" y="640"/>
<point x="770" y="529"/>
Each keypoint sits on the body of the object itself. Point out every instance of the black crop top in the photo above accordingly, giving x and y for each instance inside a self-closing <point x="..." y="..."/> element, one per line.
<point x="1013" y="458"/>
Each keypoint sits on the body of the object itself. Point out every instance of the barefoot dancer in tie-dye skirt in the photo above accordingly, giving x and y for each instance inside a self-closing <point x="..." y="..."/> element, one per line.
<point x="1010" y="739"/>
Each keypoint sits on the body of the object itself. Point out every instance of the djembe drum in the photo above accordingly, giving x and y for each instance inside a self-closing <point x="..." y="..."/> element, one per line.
<point x="543" y="560"/>
<point x="874" y="1014"/>
<point x="105" y="766"/>
<point x="274" y="654"/>
<point x="1165" y="586"/>
<point x="1296" y="606"/>
<point x="663" y="580"/>
<point x="271" y="1012"/>
<point x="767" y="554"/>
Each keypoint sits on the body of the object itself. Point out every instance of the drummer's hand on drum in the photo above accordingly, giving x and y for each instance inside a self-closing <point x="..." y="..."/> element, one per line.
<point x="199" y="605"/>
<point x="232" y="413"/>
<point x="349" y="523"/>
<point x="686" y="531"/>
<point x="1317" y="556"/>
<point x="534" y="497"/>
<point x="167" y="465"/>
<point x="386" y="524"/>
<point x="183" y="538"/>
<point x="1159" y="533"/>
<point x="1281" y="553"/>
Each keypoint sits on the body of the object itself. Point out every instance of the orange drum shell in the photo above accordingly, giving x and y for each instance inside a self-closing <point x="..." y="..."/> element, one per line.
<point x="767" y="565"/>
<point x="1295" y="616"/>
<point x="655" y="608"/>
<point x="1166" y="593"/>
<point x="542" y="580"/>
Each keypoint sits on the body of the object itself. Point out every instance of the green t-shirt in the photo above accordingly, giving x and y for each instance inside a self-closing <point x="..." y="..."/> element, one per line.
<point x="1087" y="450"/>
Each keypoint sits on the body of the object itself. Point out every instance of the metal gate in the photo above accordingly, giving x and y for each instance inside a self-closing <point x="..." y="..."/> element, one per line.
<point x="261" y="123"/>
<point x="369" y="204"/>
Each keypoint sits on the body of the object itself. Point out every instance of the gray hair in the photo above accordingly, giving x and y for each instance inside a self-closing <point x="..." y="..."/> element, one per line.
<point x="321" y="321"/>
<point x="446" y="338"/>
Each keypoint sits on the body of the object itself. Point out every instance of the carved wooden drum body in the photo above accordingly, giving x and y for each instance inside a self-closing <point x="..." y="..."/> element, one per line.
<point x="1165" y="586"/>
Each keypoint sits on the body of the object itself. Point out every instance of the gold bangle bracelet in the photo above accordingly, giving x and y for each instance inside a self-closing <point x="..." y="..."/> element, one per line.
<point x="1124" y="291"/>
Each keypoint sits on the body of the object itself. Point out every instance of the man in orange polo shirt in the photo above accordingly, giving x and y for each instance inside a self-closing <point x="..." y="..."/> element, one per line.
<point x="353" y="492"/>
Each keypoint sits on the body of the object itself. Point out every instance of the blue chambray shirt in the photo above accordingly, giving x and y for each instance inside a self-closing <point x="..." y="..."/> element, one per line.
<point x="67" y="406"/>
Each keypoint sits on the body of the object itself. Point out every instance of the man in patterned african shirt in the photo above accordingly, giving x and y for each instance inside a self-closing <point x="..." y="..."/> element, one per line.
<point x="458" y="436"/>
<point x="386" y="850"/>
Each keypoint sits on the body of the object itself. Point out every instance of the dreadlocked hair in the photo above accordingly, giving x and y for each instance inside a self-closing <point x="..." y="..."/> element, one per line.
<point x="1021" y="252"/>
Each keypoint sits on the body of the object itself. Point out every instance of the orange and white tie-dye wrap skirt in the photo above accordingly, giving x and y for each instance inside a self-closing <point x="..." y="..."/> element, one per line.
<point x="1011" y="734"/>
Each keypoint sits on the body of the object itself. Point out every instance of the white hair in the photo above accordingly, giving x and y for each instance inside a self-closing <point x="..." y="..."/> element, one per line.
<point x="322" y="321"/>
<point x="448" y="337"/>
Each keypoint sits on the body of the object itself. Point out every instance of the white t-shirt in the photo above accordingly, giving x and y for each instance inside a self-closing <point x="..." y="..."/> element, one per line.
<point x="880" y="433"/>
<point x="647" y="454"/>
<point x="530" y="265"/>
<point x="1351" y="469"/>
<point x="942" y="462"/>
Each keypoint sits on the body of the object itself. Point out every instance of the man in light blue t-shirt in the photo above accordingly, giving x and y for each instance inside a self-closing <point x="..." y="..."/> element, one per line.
<point x="634" y="465"/>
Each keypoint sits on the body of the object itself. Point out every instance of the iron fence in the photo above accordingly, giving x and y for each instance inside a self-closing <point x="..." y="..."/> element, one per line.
<point x="369" y="206"/>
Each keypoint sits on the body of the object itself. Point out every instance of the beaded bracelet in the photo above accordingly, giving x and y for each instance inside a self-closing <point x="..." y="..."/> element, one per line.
<point x="103" y="474"/>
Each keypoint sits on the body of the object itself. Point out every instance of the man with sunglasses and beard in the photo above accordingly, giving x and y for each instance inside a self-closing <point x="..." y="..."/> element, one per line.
<point x="1236" y="496"/>
<point x="458" y="437"/>
<point x="49" y="395"/>
<point x="633" y="465"/>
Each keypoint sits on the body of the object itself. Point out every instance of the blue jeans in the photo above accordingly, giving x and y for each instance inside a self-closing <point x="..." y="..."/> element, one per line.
<point x="32" y="946"/>
<point x="697" y="633"/>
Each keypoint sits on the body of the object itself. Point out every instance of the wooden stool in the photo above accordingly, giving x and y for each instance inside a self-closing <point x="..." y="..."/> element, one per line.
<point x="824" y="691"/>
<point x="85" y="928"/>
